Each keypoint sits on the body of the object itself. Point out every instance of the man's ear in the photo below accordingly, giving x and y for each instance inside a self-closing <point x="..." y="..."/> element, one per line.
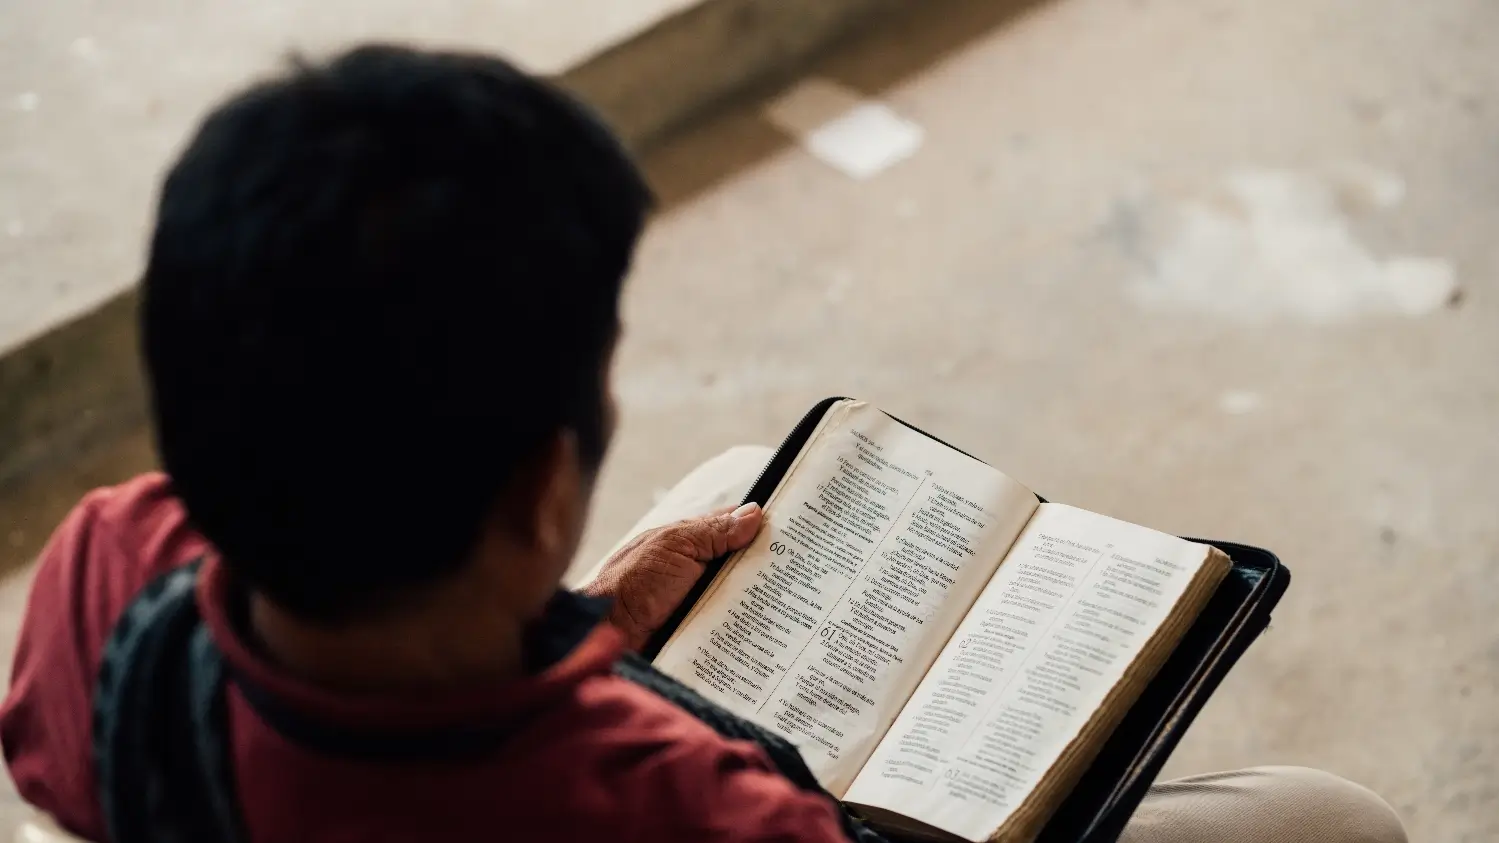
<point x="549" y="501"/>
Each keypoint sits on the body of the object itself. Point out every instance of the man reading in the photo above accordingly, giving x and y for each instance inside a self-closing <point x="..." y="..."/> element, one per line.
<point x="378" y="319"/>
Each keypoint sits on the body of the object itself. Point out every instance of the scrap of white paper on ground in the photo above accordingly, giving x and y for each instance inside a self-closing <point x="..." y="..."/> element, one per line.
<point x="857" y="136"/>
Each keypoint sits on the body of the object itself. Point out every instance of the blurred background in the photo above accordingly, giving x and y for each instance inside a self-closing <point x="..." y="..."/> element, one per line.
<point x="1225" y="268"/>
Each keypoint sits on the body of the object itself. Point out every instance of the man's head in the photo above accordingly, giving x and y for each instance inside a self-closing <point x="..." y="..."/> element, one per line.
<point x="377" y="317"/>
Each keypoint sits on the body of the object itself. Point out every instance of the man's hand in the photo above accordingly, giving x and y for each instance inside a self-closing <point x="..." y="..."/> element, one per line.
<point x="649" y="577"/>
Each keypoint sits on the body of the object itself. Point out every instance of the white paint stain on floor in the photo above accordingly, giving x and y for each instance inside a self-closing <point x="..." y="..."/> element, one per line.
<point x="1278" y="244"/>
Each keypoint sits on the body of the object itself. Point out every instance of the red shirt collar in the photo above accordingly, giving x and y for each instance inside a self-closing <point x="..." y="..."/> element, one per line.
<point x="495" y="705"/>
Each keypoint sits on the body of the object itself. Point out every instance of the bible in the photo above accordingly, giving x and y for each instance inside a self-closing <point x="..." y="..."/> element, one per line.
<point x="955" y="658"/>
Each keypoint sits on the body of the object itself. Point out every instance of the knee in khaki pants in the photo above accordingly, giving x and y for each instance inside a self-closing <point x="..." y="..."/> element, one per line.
<point x="1264" y="805"/>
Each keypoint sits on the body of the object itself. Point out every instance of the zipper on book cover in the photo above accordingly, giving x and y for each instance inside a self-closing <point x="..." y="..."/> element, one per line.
<point x="802" y="430"/>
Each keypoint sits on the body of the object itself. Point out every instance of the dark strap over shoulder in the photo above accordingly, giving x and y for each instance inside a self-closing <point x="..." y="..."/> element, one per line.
<point x="161" y="750"/>
<point x="160" y="754"/>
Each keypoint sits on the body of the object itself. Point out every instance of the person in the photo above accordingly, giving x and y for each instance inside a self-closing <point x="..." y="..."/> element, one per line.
<point x="378" y="319"/>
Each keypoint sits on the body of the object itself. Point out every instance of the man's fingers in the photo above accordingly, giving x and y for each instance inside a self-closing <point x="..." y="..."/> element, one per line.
<point x="713" y="535"/>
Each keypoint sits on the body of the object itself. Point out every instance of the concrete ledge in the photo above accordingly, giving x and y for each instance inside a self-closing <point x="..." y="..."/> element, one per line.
<point x="69" y="387"/>
<point x="78" y="384"/>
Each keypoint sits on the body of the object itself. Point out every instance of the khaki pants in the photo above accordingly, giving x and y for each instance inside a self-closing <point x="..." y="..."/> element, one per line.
<point x="1259" y="805"/>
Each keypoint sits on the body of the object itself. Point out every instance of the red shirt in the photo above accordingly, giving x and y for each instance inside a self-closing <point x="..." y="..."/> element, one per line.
<point x="592" y="757"/>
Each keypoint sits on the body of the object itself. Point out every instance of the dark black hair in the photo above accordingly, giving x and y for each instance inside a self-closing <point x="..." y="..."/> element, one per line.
<point x="376" y="287"/>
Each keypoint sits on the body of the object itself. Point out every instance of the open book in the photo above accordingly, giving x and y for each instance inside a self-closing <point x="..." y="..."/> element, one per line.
<point x="948" y="652"/>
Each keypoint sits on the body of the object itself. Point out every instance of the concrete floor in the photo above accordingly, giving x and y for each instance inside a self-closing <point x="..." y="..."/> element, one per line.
<point x="1222" y="268"/>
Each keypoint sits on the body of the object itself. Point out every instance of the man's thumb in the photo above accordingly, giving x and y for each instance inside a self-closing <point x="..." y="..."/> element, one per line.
<point x="717" y="534"/>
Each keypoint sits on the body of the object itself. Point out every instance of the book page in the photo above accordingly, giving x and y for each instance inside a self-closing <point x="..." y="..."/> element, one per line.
<point x="1074" y="603"/>
<point x="873" y="547"/>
